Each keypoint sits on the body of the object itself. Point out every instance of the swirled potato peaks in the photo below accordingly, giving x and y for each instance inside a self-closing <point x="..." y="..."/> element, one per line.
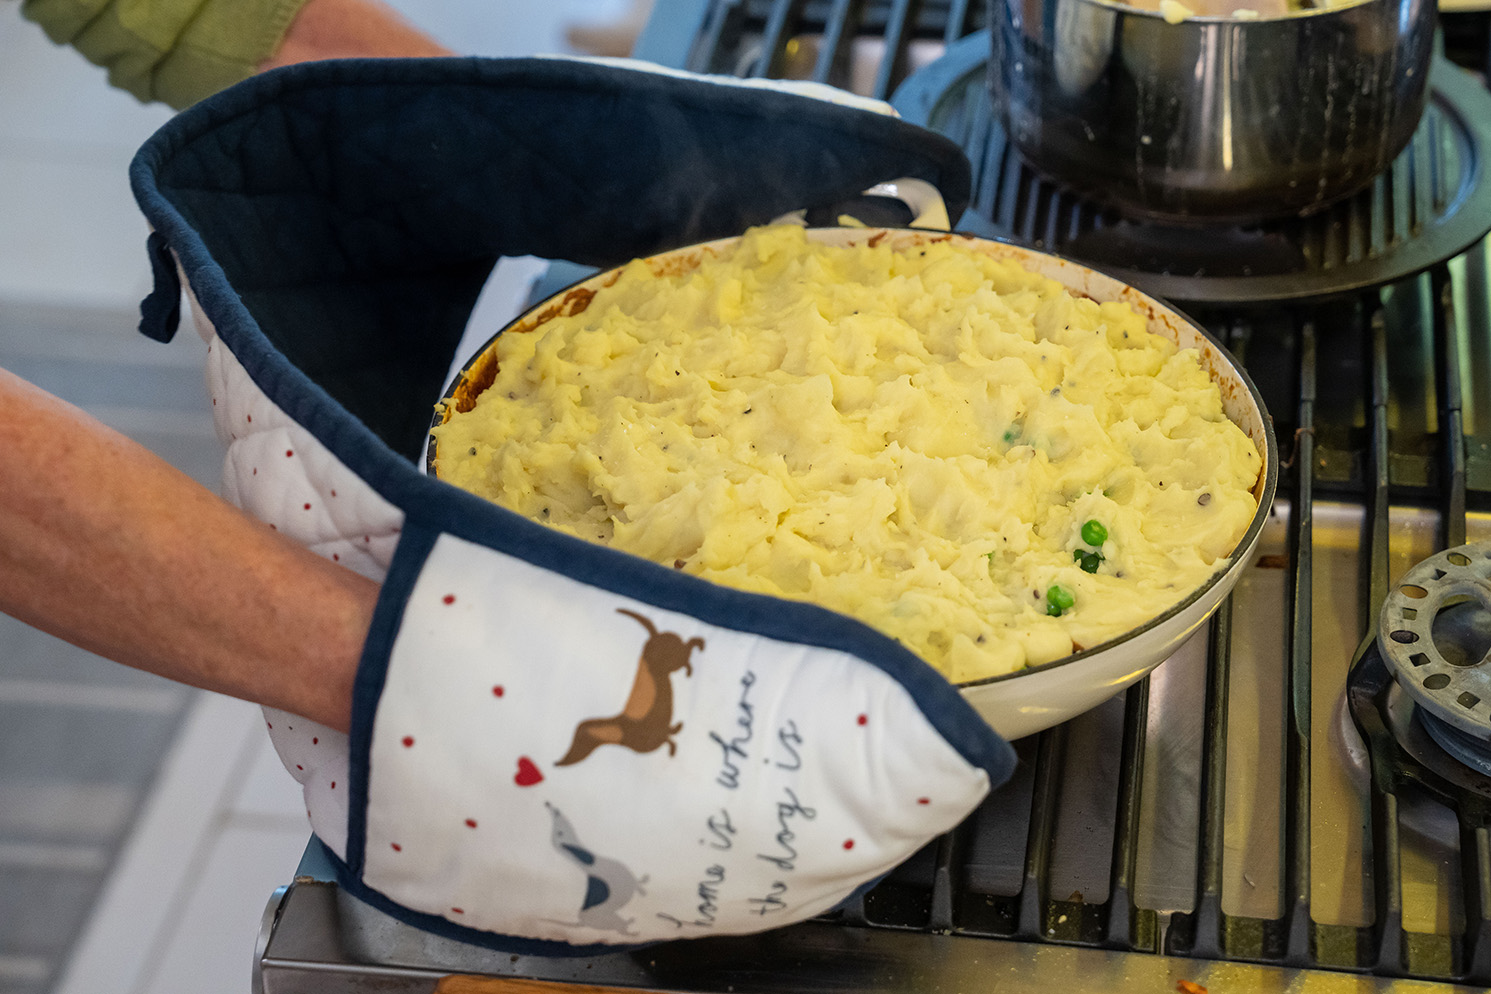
<point x="955" y="451"/>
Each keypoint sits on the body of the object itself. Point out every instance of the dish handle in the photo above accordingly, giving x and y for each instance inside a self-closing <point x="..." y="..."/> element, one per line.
<point x="928" y="210"/>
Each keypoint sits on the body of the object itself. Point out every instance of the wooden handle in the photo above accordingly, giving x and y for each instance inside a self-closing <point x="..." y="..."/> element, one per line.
<point x="512" y="985"/>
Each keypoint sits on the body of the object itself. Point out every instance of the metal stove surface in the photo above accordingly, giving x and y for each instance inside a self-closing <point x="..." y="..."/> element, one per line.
<point x="1219" y="825"/>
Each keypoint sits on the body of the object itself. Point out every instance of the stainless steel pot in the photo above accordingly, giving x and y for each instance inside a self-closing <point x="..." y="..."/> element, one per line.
<point x="1211" y="118"/>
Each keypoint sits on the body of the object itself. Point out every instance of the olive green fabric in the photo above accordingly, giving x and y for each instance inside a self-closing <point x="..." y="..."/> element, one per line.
<point x="174" y="51"/>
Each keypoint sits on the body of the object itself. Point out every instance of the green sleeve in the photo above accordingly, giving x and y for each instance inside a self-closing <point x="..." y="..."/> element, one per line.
<point x="174" y="51"/>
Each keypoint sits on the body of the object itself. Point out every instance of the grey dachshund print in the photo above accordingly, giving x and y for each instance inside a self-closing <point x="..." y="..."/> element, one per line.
<point x="609" y="885"/>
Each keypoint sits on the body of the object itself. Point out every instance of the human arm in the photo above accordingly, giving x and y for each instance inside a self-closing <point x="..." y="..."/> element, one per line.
<point x="104" y="544"/>
<point x="336" y="29"/>
<point x="179" y="51"/>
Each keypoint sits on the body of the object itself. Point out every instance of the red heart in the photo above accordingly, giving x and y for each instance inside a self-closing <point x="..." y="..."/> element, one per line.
<point x="528" y="774"/>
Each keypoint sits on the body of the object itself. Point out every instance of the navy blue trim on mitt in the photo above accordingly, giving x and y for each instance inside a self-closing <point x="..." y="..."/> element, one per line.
<point x="409" y="558"/>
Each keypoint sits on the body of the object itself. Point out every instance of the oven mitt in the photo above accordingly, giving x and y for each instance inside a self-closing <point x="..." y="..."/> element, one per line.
<point x="555" y="747"/>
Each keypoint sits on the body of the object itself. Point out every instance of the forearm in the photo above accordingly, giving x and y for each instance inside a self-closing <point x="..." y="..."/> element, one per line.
<point x="107" y="546"/>
<point x="179" y="51"/>
<point x="337" y="29"/>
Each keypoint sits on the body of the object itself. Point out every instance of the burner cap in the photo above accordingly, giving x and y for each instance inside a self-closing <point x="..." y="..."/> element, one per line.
<point x="1449" y="677"/>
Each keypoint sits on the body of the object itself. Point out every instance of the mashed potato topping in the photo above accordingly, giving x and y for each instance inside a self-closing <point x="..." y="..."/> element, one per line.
<point x="915" y="438"/>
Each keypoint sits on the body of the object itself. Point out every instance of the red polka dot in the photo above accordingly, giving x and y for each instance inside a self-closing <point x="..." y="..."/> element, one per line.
<point x="251" y="419"/>
<point x="214" y="402"/>
<point x="315" y="740"/>
<point x="396" y="847"/>
<point x="274" y="527"/>
<point x="497" y="691"/>
<point x="269" y="723"/>
<point x="449" y="598"/>
<point x="333" y="785"/>
<point x="256" y="470"/>
<point x="367" y="538"/>
<point x="470" y="822"/>
<point x="333" y="493"/>
<point x="307" y="505"/>
<point x="289" y="453"/>
<point x="299" y="767"/>
<point x="335" y="558"/>
<point x="848" y="843"/>
<point x="923" y="800"/>
<point x="459" y="911"/>
<point x="864" y="719"/>
<point x="408" y="741"/>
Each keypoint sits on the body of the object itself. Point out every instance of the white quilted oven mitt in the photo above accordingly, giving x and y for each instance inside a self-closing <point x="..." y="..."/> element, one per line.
<point x="556" y="747"/>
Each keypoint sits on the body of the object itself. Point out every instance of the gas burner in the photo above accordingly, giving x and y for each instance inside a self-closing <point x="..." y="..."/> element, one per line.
<point x="1419" y="692"/>
<point x="1433" y="203"/>
<point x="1440" y="657"/>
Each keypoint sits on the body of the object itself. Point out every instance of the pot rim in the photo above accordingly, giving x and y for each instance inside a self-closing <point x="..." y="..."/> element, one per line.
<point x="1214" y="19"/>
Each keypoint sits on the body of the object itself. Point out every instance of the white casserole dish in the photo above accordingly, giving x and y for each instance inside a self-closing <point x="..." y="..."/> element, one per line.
<point x="1027" y="701"/>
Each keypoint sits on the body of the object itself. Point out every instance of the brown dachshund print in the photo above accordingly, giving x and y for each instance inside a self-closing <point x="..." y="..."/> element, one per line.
<point x="646" y="720"/>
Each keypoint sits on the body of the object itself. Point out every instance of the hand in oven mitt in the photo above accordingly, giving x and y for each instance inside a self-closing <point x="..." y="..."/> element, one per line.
<point x="556" y="747"/>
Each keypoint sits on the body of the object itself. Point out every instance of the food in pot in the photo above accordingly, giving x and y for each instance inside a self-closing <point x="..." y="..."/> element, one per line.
<point x="1175" y="11"/>
<point x="935" y="441"/>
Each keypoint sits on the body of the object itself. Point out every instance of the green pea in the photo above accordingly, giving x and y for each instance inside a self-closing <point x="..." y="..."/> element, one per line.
<point x="1088" y="561"/>
<point x="1011" y="433"/>
<point x="1094" y="533"/>
<point x="1058" y="599"/>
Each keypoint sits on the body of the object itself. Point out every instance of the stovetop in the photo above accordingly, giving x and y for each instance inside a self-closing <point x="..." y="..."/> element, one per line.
<point x="1224" y="824"/>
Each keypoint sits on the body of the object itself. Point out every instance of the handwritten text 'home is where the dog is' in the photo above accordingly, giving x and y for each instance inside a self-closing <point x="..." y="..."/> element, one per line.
<point x="781" y="753"/>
